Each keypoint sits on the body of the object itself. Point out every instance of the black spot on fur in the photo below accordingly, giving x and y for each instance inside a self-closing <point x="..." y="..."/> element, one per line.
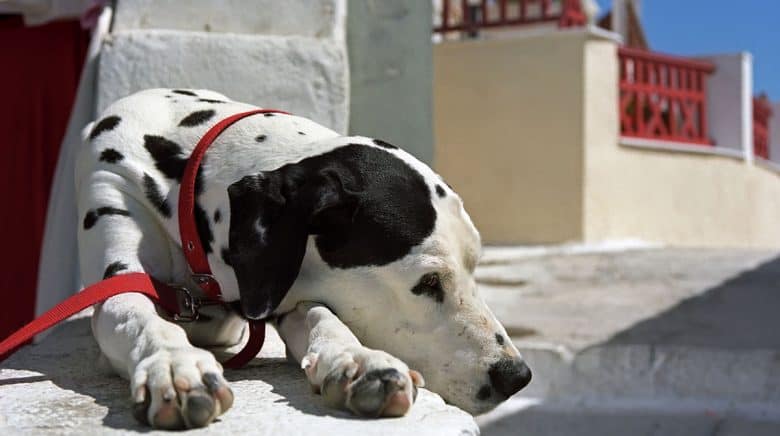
<point x="217" y="216"/>
<point x="197" y="118"/>
<point x="154" y="195"/>
<point x="167" y="156"/>
<point x="204" y="228"/>
<point x="384" y="144"/>
<point x="261" y="138"/>
<point x="484" y="393"/>
<point x="185" y="92"/>
<point x="111" y="156"/>
<point x="499" y="339"/>
<point x="104" y="125"/>
<point x="430" y="286"/>
<point x="269" y="114"/>
<point x="114" y="268"/>
<point x="226" y="256"/>
<point x="208" y="100"/>
<point x="301" y="133"/>
<point x="92" y="215"/>
<point x="440" y="191"/>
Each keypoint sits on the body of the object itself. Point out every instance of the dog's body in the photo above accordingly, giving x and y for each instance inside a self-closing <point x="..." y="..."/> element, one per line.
<point x="299" y="224"/>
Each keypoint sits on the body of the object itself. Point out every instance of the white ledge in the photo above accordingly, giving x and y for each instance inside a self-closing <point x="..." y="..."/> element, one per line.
<point x="680" y="147"/>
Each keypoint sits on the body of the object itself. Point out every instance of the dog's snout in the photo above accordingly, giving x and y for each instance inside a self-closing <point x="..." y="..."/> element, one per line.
<point x="509" y="375"/>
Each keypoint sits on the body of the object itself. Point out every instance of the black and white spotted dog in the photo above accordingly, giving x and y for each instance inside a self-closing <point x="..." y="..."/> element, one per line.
<point x="360" y="253"/>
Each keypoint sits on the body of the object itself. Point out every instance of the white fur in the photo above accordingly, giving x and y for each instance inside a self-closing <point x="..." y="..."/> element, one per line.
<point x="374" y="305"/>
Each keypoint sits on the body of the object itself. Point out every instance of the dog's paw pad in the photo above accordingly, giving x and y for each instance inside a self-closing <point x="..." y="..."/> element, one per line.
<point x="179" y="389"/>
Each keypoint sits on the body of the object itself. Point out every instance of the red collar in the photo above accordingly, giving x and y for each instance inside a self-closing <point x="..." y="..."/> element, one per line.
<point x="188" y="231"/>
<point x="191" y="243"/>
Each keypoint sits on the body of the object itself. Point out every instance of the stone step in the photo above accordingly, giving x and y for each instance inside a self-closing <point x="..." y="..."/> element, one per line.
<point x="303" y="75"/>
<point x="526" y="417"/>
<point x="55" y="387"/>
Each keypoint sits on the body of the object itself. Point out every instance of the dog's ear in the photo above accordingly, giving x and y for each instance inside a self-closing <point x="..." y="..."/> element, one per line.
<point x="272" y="215"/>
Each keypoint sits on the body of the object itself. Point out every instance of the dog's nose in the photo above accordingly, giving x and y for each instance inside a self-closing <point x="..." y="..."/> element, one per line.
<point x="509" y="376"/>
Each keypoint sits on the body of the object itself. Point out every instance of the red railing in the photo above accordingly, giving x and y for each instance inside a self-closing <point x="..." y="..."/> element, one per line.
<point x="762" y="110"/>
<point x="472" y="15"/>
<point x="663" y="97"/>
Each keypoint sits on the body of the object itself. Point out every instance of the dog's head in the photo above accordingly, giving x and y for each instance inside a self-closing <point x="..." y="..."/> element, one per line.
<point x="377" y="236"/>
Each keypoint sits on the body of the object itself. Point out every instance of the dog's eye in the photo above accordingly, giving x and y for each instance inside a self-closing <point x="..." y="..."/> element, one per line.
<point x="430" y="286"/>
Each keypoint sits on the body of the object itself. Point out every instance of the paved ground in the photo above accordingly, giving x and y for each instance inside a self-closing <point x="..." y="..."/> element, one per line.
<point x="647" y="341"/>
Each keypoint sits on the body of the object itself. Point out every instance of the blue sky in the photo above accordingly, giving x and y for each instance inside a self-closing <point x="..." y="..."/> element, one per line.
<point x="693" y="27"/>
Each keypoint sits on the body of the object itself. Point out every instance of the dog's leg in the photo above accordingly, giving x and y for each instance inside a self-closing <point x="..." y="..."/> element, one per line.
<point x="347" y="374"/>
<point x="172" y="383"/>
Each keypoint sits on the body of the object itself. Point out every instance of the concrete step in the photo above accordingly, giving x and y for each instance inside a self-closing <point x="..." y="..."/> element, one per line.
<point x="56" y="387"/>
<point x="533" y="417"/>
<point x="303" y="75"/>
<point x="640" y="341"/>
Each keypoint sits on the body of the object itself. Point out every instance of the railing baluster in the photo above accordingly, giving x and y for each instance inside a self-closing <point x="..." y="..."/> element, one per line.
<point x="670" y="88"/>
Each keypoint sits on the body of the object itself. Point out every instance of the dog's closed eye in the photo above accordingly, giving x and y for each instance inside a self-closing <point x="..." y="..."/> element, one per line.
<point x="430" y="285"/>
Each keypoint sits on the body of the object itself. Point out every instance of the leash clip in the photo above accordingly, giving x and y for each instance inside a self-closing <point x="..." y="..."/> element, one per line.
<point x="188" y="305"/>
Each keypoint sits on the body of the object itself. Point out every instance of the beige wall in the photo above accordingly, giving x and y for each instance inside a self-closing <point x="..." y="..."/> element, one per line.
<point x="508" y="123"/>
<point x="527" y="132"/>
<point x="669" y="197"/>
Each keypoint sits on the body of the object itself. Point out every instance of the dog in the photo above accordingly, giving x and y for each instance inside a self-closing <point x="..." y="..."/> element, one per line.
<point x="360" y="255"/>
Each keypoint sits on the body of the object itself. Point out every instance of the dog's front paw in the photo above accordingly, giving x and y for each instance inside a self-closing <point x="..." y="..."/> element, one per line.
<point x="179" y="388"/>
<point x="368" y="382"/>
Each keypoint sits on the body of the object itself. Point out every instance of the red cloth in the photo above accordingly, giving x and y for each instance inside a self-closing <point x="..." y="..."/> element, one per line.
<point x="39" y="74"/>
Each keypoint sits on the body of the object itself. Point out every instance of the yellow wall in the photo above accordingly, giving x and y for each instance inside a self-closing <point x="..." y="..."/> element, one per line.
<point x="508" y="123"/>
<point x="669" y="197"/>
<point x="527" y="133"/>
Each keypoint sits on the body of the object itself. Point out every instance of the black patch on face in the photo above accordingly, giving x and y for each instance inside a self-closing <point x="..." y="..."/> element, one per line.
<point x="363" y="205"/>
<point x="217" y="216"/>
<point x="430" y="286"/>
<point x="499" y="339"/>
<point x="484" y="393"/>
<point x="301" y="133"/>
<point x="225" y="253"/>
<point x="111" y="156"/>
<point x="208" y="100"/>
<point x="384" y="144"/>
<point x="261" y="138"/>
<point x="197" y="118"/>
<point x="185" y="92"/>
<point x="92" y="215"/>
<point x="440" y="191"/>
<point x="152" y="191"/>
<point x="269" y="114"/>
<point x="104" y="125"/>
<point x="113" y="269"/>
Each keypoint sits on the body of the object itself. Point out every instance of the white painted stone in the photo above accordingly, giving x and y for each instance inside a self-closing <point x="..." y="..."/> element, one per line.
<point x="729" y="102"/>
<point x="774" y="133"/>
<point x="320" y="19"/>
<point x="305" y="76"/>
<point x="56" y="388"/>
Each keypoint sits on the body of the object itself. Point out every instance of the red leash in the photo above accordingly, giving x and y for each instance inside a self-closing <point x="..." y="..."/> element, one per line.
<point x="175" y="300"/>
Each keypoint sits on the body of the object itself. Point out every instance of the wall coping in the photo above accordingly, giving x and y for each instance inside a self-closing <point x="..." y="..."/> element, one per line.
<point x="589" y="31"/>
<point x="680" y="147"/>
